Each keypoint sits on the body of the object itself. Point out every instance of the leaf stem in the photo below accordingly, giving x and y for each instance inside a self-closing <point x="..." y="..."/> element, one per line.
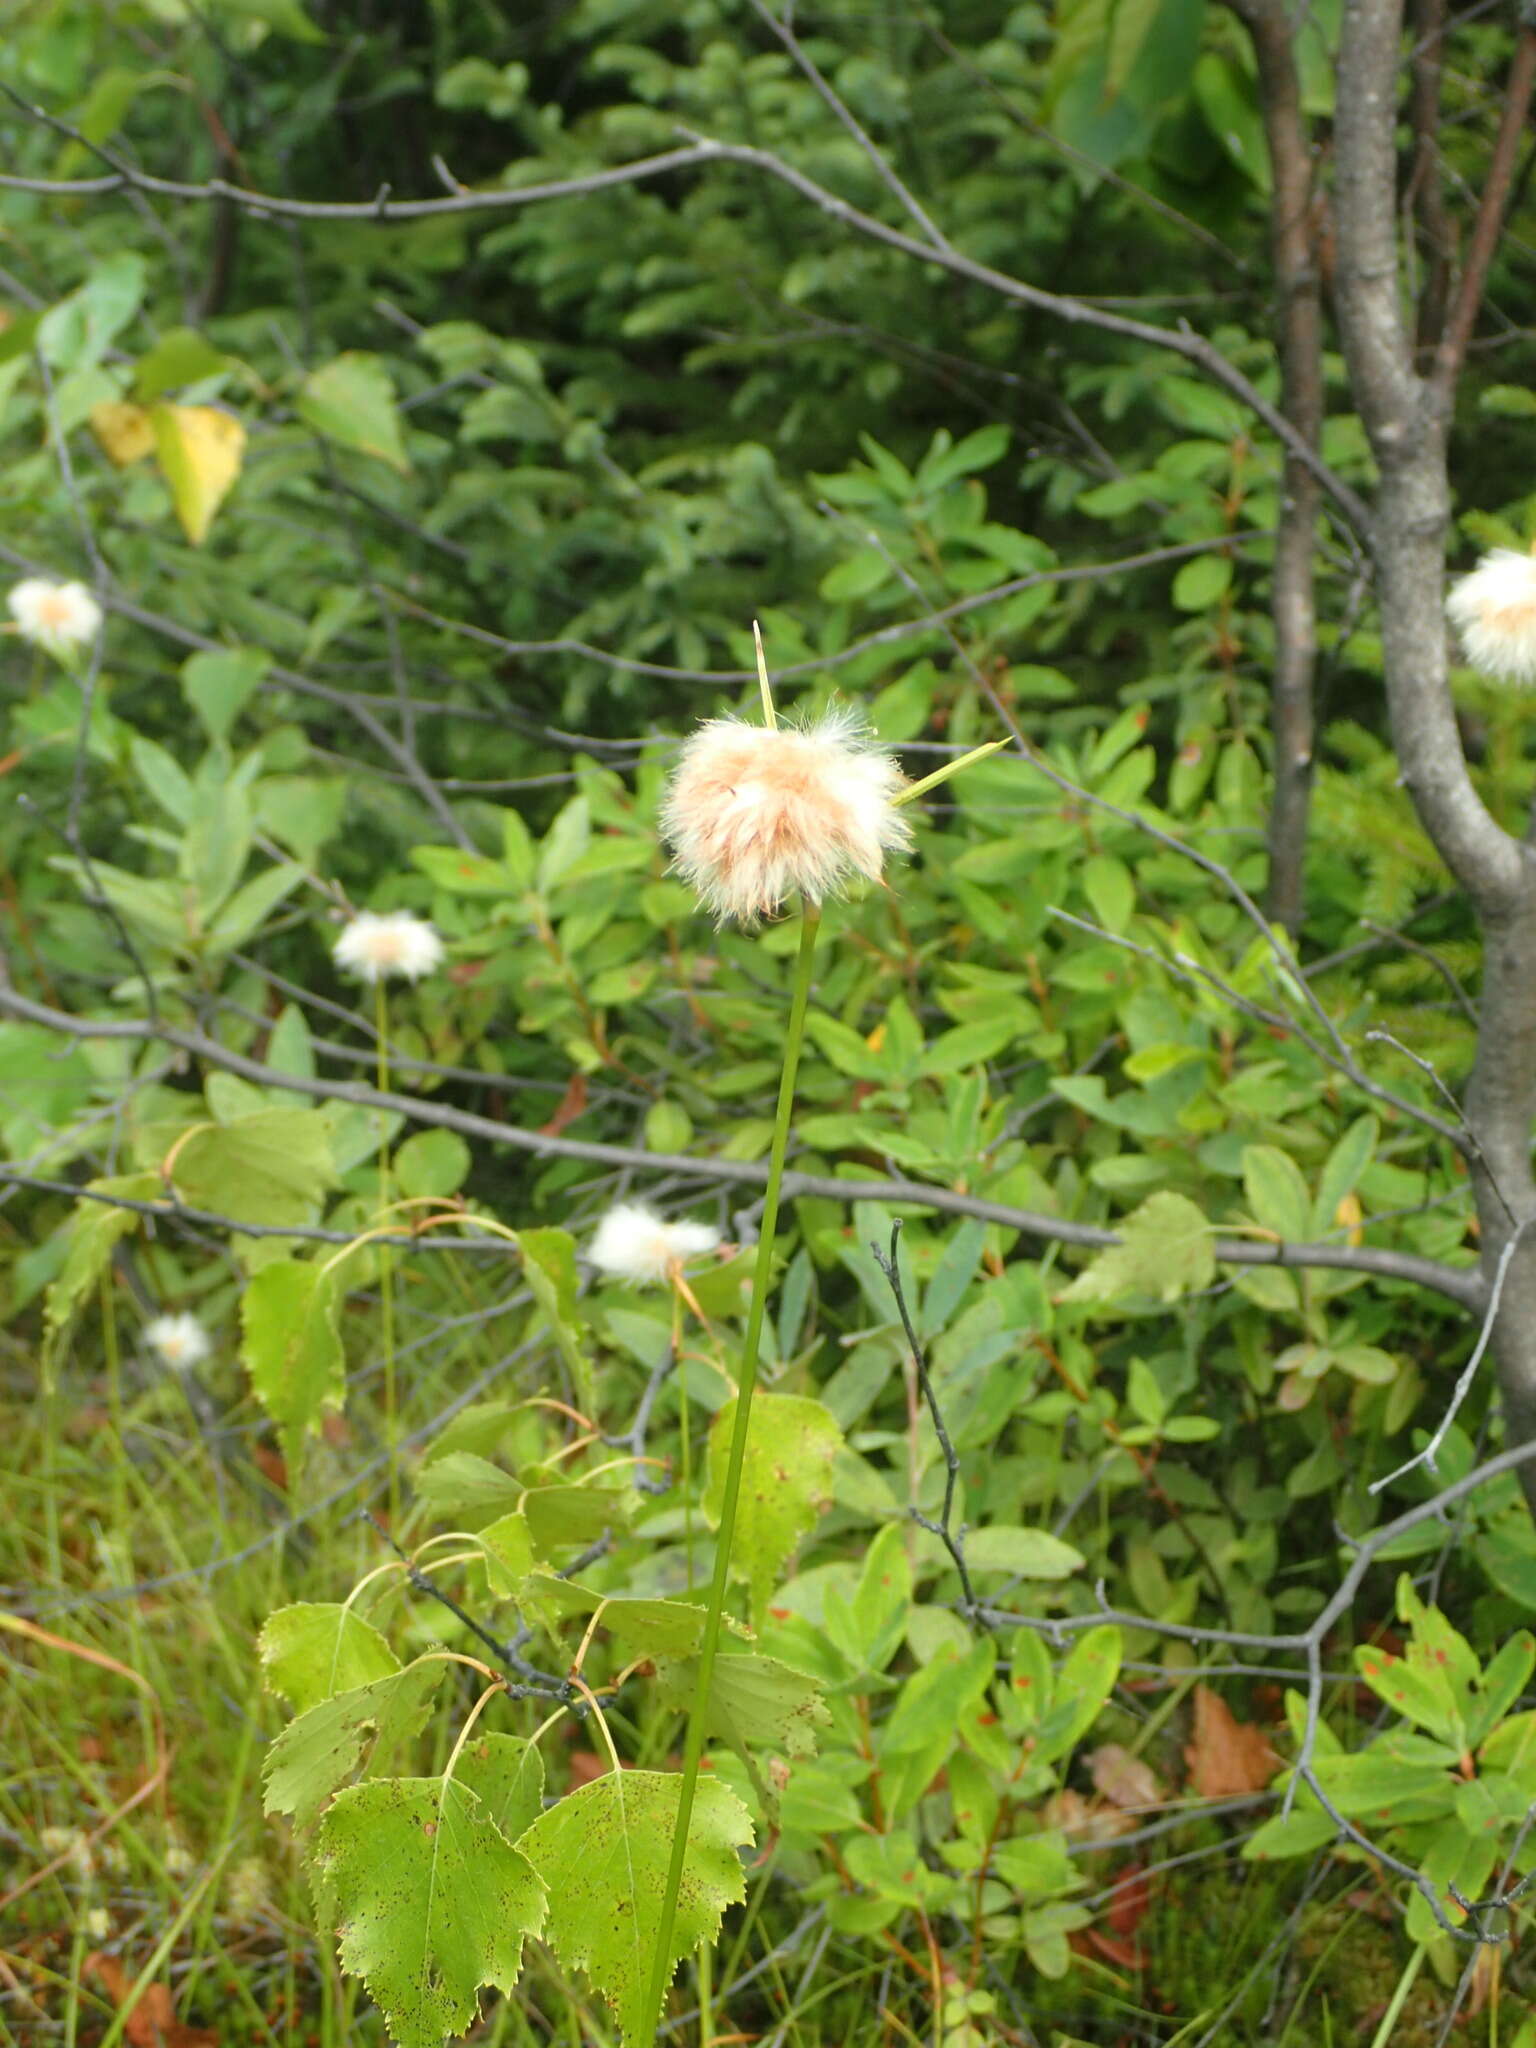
<point x="693" y="1745"/>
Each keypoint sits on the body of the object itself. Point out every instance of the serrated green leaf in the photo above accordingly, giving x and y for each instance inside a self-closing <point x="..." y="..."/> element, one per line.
<point x="1166" y="1251"/>
<point x="292" y="1348"/>
<point x="604" y="1851"/>
<point x="94" y="1228"/>
<point x="756" y="1703"/>
<point x="432" y="1901"/>
<point x="316" y="1648"/>
<point x="506" y="1774"/>
<point x="327" y="1743"/>
<point x="463" y="1488"/>
<point x="269" y="1168"/>
<point x="785" y="1482"/>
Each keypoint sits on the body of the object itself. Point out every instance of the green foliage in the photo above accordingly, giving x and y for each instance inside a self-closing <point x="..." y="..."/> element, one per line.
<point x="424" y="541"/>
<point x="1454" y="1798"/>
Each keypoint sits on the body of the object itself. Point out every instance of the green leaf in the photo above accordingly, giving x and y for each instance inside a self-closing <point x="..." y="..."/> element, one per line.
<point x="94" y="1228"/>
<point x="755" y="1703"/>
<point x="1021" y="1553"/>
<point x="604" y="1851"/>
<point x="462" y="872"/>
<point x="507" y="1544"/>
<point x="1277" y="1193"/>
<point x="935" y="1699"/>
<point x="79" y="330"/>
<point x="1110" y="890"/>
<point x="316" y="1648"/>
<point x="432" y="1163"/>
<point x="1297" y="1833"/>
<point x="786" y="1480"/>
<point x="218" y="686"/>
<point x="1082" y="1685"/>
<point x="1202" y="583"/>
<point x="352" y="402"/>
<point x="1341" y="1172"/>
<point x="1229" y="102"/>
<point x="180" y="356"/>
<point x="549" y="1267"/>
<point x="249" y="907"/>
<point x="432" y="1901"/>
<point x="327" y="1743"/>
<point x="506" y="1774"/>
<point x="648" y="1628"/>
<point x="269" y="1168"/>
<point x="292" y="1348"/>
<point x="1166" y="1252"/>
<point x="467" y="1490"/>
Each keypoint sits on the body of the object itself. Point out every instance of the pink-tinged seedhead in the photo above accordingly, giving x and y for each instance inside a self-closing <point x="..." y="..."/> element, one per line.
<point x="1494" y="613"/>
<point x="756" y="813"/>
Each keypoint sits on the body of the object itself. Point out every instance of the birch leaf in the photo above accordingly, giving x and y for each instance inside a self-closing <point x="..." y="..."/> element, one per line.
<point x="431" y="1901"/>
<point x="603" y="1851"/>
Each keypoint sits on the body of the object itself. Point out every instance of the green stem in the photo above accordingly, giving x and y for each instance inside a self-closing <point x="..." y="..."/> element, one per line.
<point x="693" y="1745"/>
<point x="386" y="1263"/>
<point x="1399" y="1999"/>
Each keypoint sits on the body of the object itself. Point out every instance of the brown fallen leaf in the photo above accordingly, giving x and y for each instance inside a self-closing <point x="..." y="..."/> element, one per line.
<point x="1071" y="1812"/>
<point x="1124" y="1780"/>
<point x="1226" y="1757"/>
<point x="152" y="2022"/>
<point x="571" y="1105"/>
<point x="1130" y="1899"/>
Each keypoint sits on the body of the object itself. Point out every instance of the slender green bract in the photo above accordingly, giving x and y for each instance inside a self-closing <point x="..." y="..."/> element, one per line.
<point x="693" y="1745"/>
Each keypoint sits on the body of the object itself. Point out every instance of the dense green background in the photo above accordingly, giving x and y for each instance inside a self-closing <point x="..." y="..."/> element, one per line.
<point x="513" y="487"/>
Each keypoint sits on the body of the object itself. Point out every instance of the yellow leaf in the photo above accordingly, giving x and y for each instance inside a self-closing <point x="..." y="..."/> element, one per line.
<point x="200" y="451"/>
<point x="123" y="430"/>
<point x="1349" y="1214"/>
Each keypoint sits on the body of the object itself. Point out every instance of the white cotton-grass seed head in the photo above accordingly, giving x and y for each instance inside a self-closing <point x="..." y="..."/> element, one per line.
<point x="57" y="616"/>
<point x="180" y="1342"/>
<point x="633" y="1243"/>
<point x="380" y="946"/>
<point x="1494" y="613"/>
<point x="757" y="813"/>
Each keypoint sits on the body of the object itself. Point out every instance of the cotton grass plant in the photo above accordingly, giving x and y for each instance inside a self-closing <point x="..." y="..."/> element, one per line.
<point x="377" y="948"/>
<point x="758" y="815"/>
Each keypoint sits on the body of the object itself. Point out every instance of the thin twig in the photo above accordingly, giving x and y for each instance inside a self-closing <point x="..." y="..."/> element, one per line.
<point x="952" y="1539"/>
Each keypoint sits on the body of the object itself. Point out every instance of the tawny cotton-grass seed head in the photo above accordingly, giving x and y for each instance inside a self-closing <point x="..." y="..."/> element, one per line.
<point x="379" y="946"/>
<point x="1494" y="613"/>
<point x="634" y="1243"/>
<point x="180" y="1342"/>
<point x="57" y="616"/>
<point x="757" y="813"/>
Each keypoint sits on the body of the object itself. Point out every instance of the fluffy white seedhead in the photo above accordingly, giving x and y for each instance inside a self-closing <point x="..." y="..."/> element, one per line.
<point x="57" y="616"/>
<point x="754" y="814"/>
<point x="1494" y="613"/>
<point x="180" y="1342"/>
<point x="634" y="1243"/>
<point x="379" y="947"/>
